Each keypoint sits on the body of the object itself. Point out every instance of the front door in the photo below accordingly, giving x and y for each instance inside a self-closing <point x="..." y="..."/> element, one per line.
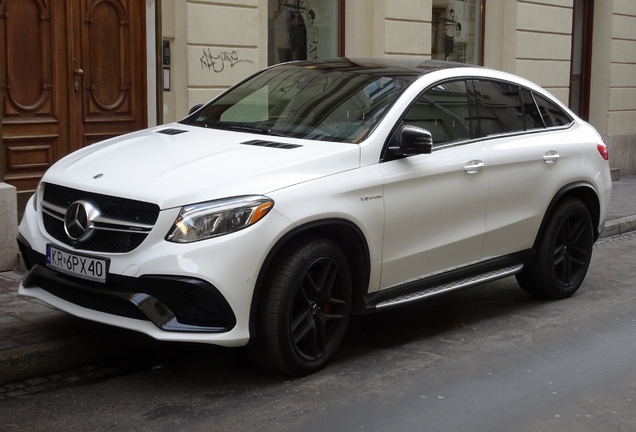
<point x="72" y="73"/>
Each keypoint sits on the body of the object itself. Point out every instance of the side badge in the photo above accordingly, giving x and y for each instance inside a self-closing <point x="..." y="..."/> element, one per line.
<point x="95" y="177"/>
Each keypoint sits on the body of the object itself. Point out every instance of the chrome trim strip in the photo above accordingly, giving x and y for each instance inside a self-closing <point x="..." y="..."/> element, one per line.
<point x="159" y="314"/>
<point x="54" y="211"/>
<point x="462" y="283"/>
<point x="58" y="213"/>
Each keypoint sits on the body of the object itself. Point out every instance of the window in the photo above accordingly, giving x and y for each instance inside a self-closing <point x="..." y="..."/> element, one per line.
<point x="299" y="102"/>
<point x="501" y="110"/>
<point x="457" y="30"/>
<point x="303" y="29"/>
<point x="553" y="116"/>
<point x="443" y="111"/>
<point x="532" y="117"/>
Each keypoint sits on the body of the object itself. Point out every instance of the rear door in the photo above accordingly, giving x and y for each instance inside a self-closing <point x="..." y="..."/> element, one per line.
<point x="526" y="163"/>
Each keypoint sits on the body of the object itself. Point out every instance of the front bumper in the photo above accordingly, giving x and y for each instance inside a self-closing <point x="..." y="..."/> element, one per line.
<point x="199" y="292"/>
<point x="172" y="303"/>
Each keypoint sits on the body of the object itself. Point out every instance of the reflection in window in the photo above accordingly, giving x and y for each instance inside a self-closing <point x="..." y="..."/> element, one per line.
<point x="532" y="117"/>
<point x="302" y="30"/>
<point x="301" y="102"/>
<point x="553" y="116"/>
<point x="501" y="111"/>
<point x="456" y="32"/>
<point x="443" y="111"/>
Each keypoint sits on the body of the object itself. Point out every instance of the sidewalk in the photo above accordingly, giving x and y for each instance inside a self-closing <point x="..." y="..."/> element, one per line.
<point x="37" y="339"/>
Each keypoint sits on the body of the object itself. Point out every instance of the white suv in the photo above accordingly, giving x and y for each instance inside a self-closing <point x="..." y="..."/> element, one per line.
<point x="316" y="190"/>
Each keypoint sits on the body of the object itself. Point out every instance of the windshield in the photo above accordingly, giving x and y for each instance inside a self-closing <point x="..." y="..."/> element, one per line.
<point x="303" y="102"/>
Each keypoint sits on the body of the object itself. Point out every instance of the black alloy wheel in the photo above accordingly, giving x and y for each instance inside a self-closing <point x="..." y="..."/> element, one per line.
<point x="563" y="253"/>
<point x="573" y="249"/>
<point x="306" y="309"/>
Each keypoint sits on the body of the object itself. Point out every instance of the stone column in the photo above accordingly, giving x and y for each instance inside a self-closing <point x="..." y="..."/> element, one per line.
<point x="8" y="227"/>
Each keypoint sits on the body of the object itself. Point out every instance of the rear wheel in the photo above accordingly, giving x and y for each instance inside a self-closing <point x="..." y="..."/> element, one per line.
<point x="305" y="310"/>
<point x="563" y="253"/>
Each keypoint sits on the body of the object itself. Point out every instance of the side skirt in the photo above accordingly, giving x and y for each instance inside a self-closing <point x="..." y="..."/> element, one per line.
<point x="464" y="277"/>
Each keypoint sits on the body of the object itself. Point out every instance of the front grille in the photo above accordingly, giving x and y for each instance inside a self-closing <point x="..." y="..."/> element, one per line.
<point x="124" y="211"/>
<point x="102" y="241"/>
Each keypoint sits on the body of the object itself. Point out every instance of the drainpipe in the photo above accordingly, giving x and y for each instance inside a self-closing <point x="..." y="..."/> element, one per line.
<point x="159" y="61"/>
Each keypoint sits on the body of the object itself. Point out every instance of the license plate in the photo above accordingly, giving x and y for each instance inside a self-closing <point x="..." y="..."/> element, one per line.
<point x="73" y="264"/>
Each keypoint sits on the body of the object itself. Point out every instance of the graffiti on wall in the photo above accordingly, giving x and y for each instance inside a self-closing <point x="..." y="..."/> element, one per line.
<point x="219" y="61"/>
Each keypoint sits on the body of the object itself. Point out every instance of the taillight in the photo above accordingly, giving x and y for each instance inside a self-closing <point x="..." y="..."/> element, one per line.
<point x="602" y="149"/>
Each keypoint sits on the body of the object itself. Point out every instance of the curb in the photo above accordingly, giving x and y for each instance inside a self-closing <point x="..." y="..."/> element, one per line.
<point x="619" y="226"/>
<point x="63" y="354"/>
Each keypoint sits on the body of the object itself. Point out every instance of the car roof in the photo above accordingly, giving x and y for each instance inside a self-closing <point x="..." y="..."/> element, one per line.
<point x="397" y="67"/>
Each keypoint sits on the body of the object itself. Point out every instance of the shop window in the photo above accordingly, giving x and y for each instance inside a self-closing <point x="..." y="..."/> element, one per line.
<point x="303" y="29"/>
<point x="457" y="31"/>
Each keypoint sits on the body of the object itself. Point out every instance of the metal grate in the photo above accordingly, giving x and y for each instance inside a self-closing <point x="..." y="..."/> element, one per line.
<point x="271" y="144"/>
<point x="171" y="131"/>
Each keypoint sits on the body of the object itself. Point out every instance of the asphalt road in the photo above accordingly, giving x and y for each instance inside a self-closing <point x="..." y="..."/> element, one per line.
<point x="484" y="359"/>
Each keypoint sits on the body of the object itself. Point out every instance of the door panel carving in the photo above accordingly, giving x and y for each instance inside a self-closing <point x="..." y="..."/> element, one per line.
<point x="27" y="72"/>
<point x="107" y="57"/>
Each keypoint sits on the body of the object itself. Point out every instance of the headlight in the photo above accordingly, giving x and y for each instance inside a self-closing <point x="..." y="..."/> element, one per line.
<point x="216" y="218"/>
<point x="39" y="191"/>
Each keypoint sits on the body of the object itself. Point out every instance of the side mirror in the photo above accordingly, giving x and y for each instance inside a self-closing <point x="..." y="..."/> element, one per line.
<point x="195" y="108"/>
<point x="415" y="140"/>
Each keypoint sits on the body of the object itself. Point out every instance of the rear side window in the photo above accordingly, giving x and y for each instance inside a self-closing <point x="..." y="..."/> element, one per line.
<point x="532" y="116"/>
<point x="443" y="111"/>
<point x="552" y="114"/>
<point x="501" y="110"/>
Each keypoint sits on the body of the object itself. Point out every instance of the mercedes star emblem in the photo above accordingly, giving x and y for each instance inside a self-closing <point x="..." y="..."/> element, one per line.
<point x="78" y="221"/>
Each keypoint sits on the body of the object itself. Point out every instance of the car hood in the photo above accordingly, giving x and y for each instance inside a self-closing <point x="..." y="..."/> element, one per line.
<point x="198" y="165"/>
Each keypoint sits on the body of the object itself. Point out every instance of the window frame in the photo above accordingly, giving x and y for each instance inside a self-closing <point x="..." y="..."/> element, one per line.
<point x="474" y="97"/>
<point x="479" y="97"/>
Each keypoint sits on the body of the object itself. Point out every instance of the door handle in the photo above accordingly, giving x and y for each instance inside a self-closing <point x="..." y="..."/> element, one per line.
<point x="551" y="157"/>
<point x="78" y="73"/>
<point x="473" y="167"/>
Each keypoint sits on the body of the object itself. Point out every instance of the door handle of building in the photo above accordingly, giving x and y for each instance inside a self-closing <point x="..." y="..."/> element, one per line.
<point x="551" y="157"/>
<point x="473" y="167"/>
<point x="78" y="73"/>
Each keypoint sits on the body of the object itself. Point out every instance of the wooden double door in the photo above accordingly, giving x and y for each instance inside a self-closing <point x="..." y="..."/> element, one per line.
<point x="72" y="72"/>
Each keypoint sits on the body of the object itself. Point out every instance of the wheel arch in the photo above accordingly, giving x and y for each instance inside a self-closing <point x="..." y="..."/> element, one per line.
<point x="583" y="191"/>
<point x="345" y="234"/>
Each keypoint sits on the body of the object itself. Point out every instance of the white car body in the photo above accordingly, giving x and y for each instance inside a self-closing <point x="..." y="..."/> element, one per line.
<point x="418" y="217"/>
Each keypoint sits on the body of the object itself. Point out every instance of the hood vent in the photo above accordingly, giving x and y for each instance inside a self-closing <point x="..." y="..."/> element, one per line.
<point x="171" y="131"/>
<point x="271" y="144"/>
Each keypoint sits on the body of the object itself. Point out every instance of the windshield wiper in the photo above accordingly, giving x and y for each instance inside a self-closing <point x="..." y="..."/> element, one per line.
<point x="242" y="128"/>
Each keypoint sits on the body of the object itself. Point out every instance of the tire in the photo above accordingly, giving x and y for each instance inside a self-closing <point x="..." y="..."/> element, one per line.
<point x="305" y="310"/>
<point x="563" y="253"/>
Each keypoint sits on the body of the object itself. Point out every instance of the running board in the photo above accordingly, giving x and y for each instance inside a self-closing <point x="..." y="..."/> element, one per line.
<point x="458" y="284"/>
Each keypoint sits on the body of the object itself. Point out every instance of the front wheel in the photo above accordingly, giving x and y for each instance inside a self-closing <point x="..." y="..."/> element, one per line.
<point x="563" y="253"/>
<point x="305" y="310"/>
